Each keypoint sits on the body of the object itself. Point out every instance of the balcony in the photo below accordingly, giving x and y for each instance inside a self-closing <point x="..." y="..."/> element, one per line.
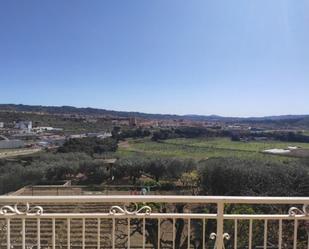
<point x="183" y="222"/>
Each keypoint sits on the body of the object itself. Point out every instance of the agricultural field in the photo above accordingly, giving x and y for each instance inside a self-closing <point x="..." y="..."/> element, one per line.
<point x="202" y="148"/>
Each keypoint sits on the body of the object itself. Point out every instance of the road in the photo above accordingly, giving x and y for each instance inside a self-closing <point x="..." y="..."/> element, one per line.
<point x="17" y="152"/>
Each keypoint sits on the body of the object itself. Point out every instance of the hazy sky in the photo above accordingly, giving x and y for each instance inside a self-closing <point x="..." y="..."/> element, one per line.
<point x="225" y="57"/>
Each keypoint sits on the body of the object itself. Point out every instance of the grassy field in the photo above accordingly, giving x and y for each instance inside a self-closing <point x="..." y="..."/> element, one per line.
<point x="202" y="148"/>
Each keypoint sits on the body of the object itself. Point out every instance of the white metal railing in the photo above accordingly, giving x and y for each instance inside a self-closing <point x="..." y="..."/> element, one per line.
<point x="154" y="222"/>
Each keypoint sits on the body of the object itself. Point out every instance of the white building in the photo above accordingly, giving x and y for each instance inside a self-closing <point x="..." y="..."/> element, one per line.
<point x="105" y="135"/>
<point x="1" y="125"/>
<point x="41" y="129"/>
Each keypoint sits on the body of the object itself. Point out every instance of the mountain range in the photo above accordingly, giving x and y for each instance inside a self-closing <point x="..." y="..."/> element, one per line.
<point x="125" y="114"/>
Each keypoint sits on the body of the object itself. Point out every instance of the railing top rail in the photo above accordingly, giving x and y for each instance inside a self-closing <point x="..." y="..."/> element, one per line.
<point x="156" y="199"/>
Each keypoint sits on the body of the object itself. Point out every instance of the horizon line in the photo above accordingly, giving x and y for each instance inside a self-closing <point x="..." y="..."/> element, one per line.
<point x="151" y="113"/>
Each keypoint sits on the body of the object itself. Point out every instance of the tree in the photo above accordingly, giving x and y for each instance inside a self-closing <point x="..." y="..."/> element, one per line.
<point x="89" y="145"/>
<point x="191" y="180"/>
<point x="132" y="168"/>
<point x="95" y="172"/>
<point x="247" y="177"/>
<point x="156" y="168"/>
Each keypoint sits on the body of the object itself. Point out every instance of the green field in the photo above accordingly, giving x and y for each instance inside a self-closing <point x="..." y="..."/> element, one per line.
<point x="202" y="148"/>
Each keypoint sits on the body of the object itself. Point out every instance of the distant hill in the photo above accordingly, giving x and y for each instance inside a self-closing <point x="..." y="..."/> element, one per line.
<point x="297" y="119"/>
<point x="82" y="111"/>
<point x="100" y="112"/>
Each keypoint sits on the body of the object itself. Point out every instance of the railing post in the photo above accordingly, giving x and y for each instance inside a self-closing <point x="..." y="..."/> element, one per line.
<point x="220" y="224"/>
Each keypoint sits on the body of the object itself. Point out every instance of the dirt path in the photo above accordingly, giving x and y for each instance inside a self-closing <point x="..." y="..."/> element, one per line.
<point x="18" y="152"/>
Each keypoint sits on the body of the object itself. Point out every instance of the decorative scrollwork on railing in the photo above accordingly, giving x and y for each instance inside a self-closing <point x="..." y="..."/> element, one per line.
<point x="226" y="236"/>
<point x="293" y="211"/>
<point x="14" y="210"/>
<point x="213" y="236"/>
<point x="116" y="210"/>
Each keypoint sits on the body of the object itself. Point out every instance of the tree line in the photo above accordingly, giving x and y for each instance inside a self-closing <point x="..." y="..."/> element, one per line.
<point x="216" y="176"/>
<point x="195" y="132"/>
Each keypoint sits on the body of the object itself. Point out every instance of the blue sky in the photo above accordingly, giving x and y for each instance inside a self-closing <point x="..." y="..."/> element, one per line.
<point x="232" y="58"/>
